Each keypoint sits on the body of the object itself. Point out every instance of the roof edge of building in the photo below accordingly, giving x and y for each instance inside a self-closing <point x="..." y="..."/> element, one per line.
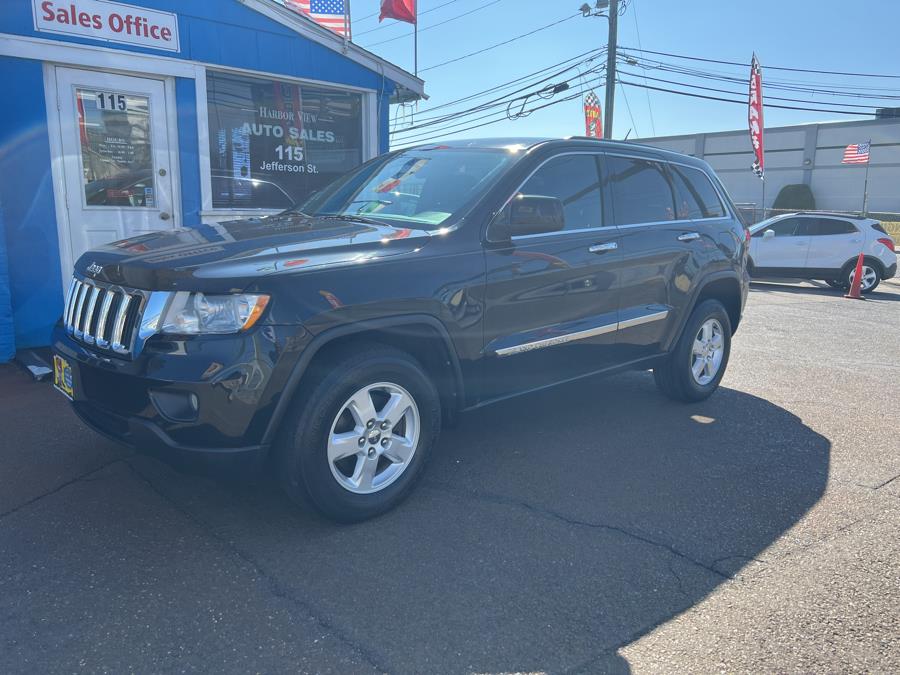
<point x="785" y="127"/>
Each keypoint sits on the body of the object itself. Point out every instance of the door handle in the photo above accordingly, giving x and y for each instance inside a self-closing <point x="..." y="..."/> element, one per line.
<point x="164" y="216"/>
<point x="688" y="236"/>
<point x="603" y="248"/>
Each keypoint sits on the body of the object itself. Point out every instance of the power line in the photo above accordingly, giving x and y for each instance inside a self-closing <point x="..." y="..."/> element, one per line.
<point x="501" y="99"/>
<point x="794" y="70"/>
<point x="499" y="44"/>
<point x="740" y="93"/>
<point x="389" y="25"/>
<point x="637" y="30"/>
<point x="419" y="141"/>
<point x="434" y="25"/>
<point x="457" y="121"/>
<point x="628" y="107"/>
<point x="744" y="101"/>
<point x="594" y="54"/>
<point x="650" y="64"/>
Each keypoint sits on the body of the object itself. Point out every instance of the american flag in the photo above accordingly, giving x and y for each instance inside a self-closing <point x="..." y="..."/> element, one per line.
<point x="328" y="13"/>
<point x="857" y="153"/>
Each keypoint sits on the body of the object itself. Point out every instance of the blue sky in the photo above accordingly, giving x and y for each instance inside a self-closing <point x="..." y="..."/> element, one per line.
<point x="796" y="33"/>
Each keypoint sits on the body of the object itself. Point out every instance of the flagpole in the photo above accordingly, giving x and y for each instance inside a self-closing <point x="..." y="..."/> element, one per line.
<point x="416" y="56"/>
<point x="763" y="197"/>
<point x="866" y="182"/>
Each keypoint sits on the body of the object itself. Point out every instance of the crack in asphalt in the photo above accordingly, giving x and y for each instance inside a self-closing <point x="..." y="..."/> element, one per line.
<point x="84" y="477"/>
<point x="274" y="586"/>
<point x="555" y="515"/>
<point x="887" y="482"/>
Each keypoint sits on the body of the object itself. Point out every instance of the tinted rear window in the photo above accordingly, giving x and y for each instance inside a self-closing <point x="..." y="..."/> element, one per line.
<point x="826" y="226"/>
<point x="641" y="191"/>
<point x="879" y="227"/>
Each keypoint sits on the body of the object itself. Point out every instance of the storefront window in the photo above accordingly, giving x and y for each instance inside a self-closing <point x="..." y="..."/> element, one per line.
<point x="116" y="157"/>
<point x="273" y="143"/>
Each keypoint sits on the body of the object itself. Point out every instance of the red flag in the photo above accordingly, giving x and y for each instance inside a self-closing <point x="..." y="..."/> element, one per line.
<point x="402" y="10"/>
<point x="755" y="117"/>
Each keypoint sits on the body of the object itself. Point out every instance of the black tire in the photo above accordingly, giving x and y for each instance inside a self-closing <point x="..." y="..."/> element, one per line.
<point x="301" y="456"/>
<point x="850" y="268"/>
<point x="674" y="376"/>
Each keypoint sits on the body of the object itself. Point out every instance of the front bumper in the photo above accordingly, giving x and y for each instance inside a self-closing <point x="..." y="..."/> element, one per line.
<point x="200" y="400"/>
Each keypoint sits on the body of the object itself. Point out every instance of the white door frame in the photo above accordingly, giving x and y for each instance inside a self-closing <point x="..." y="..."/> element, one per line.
<point x="54" y="129"/>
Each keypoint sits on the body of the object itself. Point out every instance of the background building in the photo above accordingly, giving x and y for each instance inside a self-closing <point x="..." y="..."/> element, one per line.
<point x="809" y="154"/>
<point x="126" y="118"/>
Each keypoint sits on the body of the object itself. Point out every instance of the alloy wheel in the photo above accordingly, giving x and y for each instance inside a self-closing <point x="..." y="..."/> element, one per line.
<point x="707" y="352"/>
<point x="868" y="279"/>
<point x="373" y="438"/>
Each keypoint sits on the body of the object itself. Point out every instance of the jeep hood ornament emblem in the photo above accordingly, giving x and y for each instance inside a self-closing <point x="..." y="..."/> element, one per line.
<point x="94" y="269"/>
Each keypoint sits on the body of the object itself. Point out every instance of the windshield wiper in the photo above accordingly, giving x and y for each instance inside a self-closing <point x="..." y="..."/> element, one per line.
<point x="351" y="218"/>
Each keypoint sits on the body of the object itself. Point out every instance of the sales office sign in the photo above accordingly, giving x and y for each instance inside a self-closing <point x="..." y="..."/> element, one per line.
<point x="108" y="21"/>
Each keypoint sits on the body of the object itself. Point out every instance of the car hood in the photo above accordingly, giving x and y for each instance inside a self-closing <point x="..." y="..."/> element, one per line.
<point x="241" y="251"/>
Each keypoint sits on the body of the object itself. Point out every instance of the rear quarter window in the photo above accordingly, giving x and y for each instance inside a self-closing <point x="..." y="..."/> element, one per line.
<point x="828" y="226"/>
<point x="701" y="190"/>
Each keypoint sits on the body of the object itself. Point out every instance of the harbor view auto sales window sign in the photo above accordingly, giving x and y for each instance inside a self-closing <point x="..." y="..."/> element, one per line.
<point x="272" y="143"/>
<point x="107" y="21"/>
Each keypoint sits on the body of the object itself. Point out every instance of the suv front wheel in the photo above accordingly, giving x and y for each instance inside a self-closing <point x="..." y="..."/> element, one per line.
<point x="356" y="442"/>
<point x="694" y="368"/>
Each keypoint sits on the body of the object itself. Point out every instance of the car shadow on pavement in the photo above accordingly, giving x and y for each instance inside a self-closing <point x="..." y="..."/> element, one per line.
<point x="548" y="533"/>
<point x="817" y="288"/>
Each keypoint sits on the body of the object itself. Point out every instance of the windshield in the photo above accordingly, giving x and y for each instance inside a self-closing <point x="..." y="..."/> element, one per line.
<point x="419" y="188"/>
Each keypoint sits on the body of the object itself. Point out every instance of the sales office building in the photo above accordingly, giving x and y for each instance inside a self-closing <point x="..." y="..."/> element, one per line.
<point x="120" y="119"/>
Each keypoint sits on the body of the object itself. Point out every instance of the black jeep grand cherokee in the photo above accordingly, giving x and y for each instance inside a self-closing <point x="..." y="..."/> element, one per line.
<point x="340" y="335"/>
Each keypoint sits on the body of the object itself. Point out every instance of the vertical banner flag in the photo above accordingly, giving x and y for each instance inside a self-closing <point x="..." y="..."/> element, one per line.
<point x="332" y="14"/>
<point x="401" y="10"/>
<point x="593" y="124"/>
<point x="755" y="117"/>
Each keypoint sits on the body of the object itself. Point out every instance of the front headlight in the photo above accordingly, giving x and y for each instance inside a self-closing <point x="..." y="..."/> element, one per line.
<point x="194" y="313"/>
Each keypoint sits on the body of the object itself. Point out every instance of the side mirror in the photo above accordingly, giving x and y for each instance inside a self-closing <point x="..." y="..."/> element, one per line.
<point x="768" y="234"/>
<point x="534" y="214"/>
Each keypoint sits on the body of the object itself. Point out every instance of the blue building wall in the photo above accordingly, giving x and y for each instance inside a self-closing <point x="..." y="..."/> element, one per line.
<point x="7" y="332"/>
<point x="29" y="211"/>
<point x="220" y="32"/>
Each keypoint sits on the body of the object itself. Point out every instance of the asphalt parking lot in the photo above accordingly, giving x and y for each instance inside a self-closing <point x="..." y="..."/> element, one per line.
<point x="594" y="528"/>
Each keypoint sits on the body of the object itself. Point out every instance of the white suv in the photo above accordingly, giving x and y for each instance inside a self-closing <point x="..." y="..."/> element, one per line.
<point x="822" y="246"/>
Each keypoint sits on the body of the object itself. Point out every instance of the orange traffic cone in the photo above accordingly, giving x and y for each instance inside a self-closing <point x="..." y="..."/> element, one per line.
<point x="857" y="279"/>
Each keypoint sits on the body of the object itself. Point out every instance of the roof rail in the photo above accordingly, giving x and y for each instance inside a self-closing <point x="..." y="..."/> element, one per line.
<point x="854" y="216"/>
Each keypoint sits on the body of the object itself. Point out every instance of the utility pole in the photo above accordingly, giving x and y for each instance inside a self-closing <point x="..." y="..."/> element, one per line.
<point x="609" y="10"/>
<point x="611" y="68"/>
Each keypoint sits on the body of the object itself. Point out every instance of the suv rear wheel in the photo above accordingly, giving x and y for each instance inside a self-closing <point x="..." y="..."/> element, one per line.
<point x="356" y="443"/>
<point x="694" y="368"/>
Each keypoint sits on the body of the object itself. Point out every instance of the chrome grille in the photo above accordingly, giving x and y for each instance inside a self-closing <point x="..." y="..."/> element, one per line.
<point x="102" y="316"/>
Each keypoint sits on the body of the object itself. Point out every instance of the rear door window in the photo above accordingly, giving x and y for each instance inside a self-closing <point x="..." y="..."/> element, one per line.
<point x="698" y="188"/>
<point x="641" y="191"/>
